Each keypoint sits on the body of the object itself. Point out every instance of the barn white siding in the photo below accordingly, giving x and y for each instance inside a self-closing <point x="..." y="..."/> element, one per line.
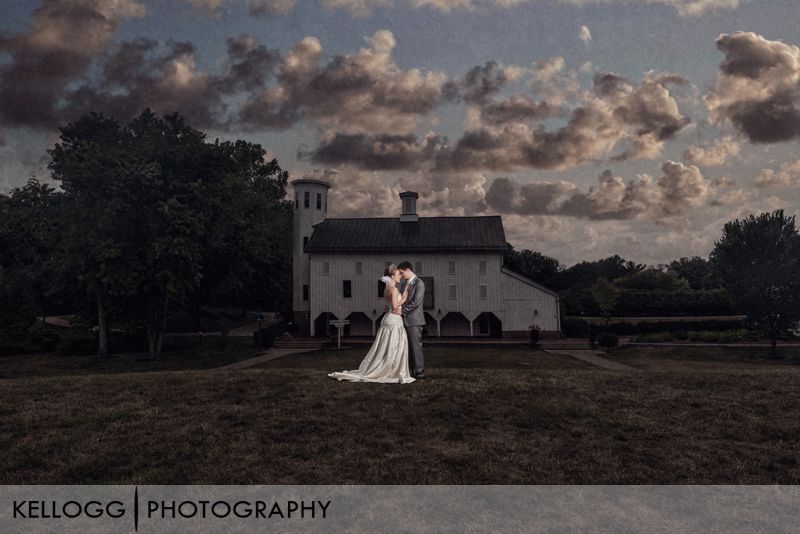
<point x="526" y="303"/>
<point x="515" y="302"/>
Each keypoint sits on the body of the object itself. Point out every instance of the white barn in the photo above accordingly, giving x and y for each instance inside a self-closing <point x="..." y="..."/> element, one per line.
<point x="337" y="264"/>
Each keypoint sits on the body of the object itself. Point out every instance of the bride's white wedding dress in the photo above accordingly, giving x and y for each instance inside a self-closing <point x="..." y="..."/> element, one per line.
<point x="387" y="359"/>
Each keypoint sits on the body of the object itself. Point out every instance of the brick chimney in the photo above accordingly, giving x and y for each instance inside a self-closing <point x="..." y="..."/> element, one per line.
<point x="409" y="200"/>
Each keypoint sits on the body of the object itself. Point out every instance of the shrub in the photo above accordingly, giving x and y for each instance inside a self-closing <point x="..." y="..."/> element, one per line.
<point x="608" y="340"/>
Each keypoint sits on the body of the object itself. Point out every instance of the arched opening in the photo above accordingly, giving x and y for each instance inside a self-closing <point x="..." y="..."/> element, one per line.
<point x="321" y="326"/>
<point x="360" y="325"/>
<point x="455" y="324"/>
<point x="487" y="325"/>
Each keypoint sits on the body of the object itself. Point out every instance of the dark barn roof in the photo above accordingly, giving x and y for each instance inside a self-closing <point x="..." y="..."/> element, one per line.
<point x="429" y="234"/>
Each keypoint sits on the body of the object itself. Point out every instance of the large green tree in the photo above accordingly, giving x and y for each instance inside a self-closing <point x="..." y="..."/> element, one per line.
<point x="247" y="248"/>
<point x="534" y="265"/>
<point x="758" y="258"/>
<point x="29" y="231"/>
<point x="700" y="273"/>
<point x="158" y="215"/>
<point x="92" y="162"/>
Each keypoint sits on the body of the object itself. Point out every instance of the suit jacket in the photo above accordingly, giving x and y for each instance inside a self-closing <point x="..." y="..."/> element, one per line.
<point x="413" y="313"/>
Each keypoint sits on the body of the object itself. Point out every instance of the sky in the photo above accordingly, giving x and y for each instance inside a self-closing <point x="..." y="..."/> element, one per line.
<point x="594" y="127"/>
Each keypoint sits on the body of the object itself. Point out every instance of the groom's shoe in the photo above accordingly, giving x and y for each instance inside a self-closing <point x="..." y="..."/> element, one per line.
<point x="420" y="376"/>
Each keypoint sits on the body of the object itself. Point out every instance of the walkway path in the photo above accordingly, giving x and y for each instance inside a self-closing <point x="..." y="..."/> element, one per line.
<point x="593" y="357"/>
<point x="271" y="354"/>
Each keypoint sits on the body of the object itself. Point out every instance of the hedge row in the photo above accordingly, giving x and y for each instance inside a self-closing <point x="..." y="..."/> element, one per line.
<point x="653" y="302"/>
<point x="577" y="327"/>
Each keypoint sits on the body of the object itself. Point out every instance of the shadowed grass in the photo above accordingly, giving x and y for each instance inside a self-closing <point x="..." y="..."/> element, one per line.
<point x="709" y="358"/>
<point x="286" y="423"/>
<point x="208" y="356"/>
<point x="435" y="358"/>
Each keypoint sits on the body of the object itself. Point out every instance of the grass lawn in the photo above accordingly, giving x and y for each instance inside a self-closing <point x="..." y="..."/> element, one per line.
<point x="205" y="357"/>
<point x="709" y="358"/>
<point x="484" y="416"/>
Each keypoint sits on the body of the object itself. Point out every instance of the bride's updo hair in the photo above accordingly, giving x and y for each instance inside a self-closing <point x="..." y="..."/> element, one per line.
<point x="390" y="270"/>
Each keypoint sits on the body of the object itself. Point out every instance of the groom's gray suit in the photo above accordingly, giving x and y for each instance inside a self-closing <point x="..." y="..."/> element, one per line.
<point x="414" y="320"/>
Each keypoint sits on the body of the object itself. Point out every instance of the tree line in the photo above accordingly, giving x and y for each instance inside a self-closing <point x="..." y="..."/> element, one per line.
<point x="150" y="218"/>
<point x="752" y="270"/>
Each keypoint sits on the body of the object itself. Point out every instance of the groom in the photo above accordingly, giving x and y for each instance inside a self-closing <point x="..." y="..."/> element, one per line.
<point x="414" y="318"/>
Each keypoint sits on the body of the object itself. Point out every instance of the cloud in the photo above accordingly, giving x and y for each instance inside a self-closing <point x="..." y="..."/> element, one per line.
<point x="210" y="8"/>
<point x="361" y="92"/>
<point x="617" y="112"/>
<point x="677" y="191"/>
<point x="376" y="152"/>
<point x="271" y="8"/>
<point x="714" y="155"/>
<point x="357" y="8"/>
<point x="756" y="88"/>
<point x="59" y="44"/>
<point x="585" y="35"/>
<point x="788" y="175"/>
<point x="684" y="8"/>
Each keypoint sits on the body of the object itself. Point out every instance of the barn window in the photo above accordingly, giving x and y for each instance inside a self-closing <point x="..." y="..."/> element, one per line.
<point x="359" y="268"/>
<point x="296" y="200"/>
<point x="306" y="199"/>
<point x="452" y="292"/>
<point x="347" y="289"/>
<point x="451" y="267"/>
<point x="326" y="268"/>
<point x="484" y="292"/>
<point x="305" y="242"/>
<point x="418" y="267"/>
<point x="482" y="267"/>
<point x="319" y="201"/>
<point x="381" y="289"/>
<point x="305" y="292"/>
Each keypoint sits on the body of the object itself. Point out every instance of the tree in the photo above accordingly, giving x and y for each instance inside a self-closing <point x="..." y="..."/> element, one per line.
<point x="247" y="249"/>
<point x="758" y="259"/>
<point x="167" y="186"/>
<point x="534" y="265"/>
<point x="652" y="278"/>
<point x="92" y="164"/>
<point x="155" y="211"/>
<point x="606" y="295"/>
<point x="29" y="232"/>
<point x="586" y="273"/>
<point x="698" y="272"/>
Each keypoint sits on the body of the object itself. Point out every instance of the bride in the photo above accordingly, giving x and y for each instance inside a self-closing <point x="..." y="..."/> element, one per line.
<point x="387" y="359"/>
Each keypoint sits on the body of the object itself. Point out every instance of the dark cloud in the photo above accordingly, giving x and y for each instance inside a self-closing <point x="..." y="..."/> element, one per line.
<point x="270" y="8"/>
<point x="250" y="65"/>
<point x="376" y="152"/>
<point x="61" y="40"/>
<point x="483" y="81"/>
<point x="679" y="189"/>
<point x="140" y="74"/>
<point x="756" y="88"/>
<point x="643" y="116"/>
